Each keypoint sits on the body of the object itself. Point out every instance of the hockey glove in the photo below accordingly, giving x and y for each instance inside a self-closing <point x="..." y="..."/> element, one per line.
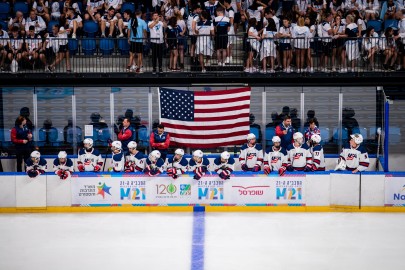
<point x="256" y="168"/>
<point x="59" y="173"/>
<point x="80" y="167"/>
<point x="32" y="173"/>
<point x="281" y="171"/>
<point x="65" y="175"/>
<point x="245" y="168"/>
<point x="290" y="168"/>
<point x="308" y="168"/>
<point x="129" y="169"/>
<point x="267" y="170"/>
<point x="97" y="168"/>
<point x="204" y="169"/>
<point x="197" y="177"/>
<point x="224" y="175"/>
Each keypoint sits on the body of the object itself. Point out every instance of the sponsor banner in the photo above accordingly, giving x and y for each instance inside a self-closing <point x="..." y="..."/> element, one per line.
<point x="249" y="190"/>
<point x="210" y="190"/>
<point x="289" y="190"/>
<point x="394" y="191"/>
<point x="167" y="191"/>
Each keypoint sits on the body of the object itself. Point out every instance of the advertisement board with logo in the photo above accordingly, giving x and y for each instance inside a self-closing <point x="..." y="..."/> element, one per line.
<point x="95" y="190"/>
<point x="394" y="190"/>
<point x="289" y="190"/>
<point x="210" y="190"/>
<point x="250" y="191"/>
<point x="167" y="191"/>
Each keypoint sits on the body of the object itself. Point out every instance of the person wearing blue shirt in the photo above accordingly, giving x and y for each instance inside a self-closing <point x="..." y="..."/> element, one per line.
<point x="137" y="34"/>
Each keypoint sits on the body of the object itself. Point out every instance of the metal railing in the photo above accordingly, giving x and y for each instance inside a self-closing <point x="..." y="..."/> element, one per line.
<point x="269" y="55"/>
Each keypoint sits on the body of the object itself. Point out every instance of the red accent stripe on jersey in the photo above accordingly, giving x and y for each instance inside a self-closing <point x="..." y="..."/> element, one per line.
<point x="365" y="164"/>
<point x="317" y="161"/>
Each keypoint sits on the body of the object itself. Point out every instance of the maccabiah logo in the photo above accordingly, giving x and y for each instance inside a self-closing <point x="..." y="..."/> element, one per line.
<point x="251" y="190"/>
<point x="103" y="189"/>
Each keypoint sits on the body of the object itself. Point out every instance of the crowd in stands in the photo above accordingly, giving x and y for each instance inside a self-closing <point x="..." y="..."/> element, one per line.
<point x="277" y="35"/>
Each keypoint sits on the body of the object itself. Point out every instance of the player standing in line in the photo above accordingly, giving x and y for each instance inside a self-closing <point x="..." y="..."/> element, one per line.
<point x="251" y="154"/>
<point x="299" y="155"/>
<point x="35" y="165"/>
<point x="89" y="159"/>
<point x="154" y="164"/>
<point x="224" y="165"/>
<point x="134" y="160"/>
<point x="63" y="166"/>
<point x="177" y="164"/>
<point x="275" y="157"/>
<point x="354" y="157"/>
<point x="199" y="164"/>
<point x="118" y="158"/>
<point x="318" y="158"/>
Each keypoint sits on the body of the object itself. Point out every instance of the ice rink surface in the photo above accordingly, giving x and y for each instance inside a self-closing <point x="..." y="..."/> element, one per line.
<point x="202" y="241"/>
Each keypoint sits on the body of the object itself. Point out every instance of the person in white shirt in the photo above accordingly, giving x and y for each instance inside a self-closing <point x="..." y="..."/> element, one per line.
<point x="252" y="45"/>
<point x="116" y="4"/>
<point x="285" y="34"/>
<point x="55" y="10"/>
<point x="109" y="21"/>
<point x="312" y="30"/>
<point x="37" y="21"/>
<point x="73" y="22"/>
<point x="204" y="30"/>
<point x="94" y="10"/>
<point x="325" y="33"/>
<point x="33" y="44"/>
<point x="41" y="8"/>
<point x="156" y="27"/>
<point x="372" y="9"/>
<point x="401" y="35"/>
<point x="268" y="49"/>
<point x="57" y="41"/>
<point x="301" y="37"/>
<point x="370" y="46"/>
<point x="18" y="21"/>
<point x="16" y="45"/>
<point x="4" y="46"/>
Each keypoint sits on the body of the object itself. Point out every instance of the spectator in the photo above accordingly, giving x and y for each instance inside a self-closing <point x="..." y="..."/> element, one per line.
<point x="230" y="14"/>
<point x="310" y="116"/>
<point x="338" y="43"/>
<point x="33" y="46"/>
<point x="301" y="34"/>
<point x="182" y="38"/>
<point x="157" y="39"/>
<point x="252" y="45"/>
<point x="116" y="4"/>
<point x="71" y="4"/>
<point x="372" y="8"/>
<point x="370" y="46"/>
<point x="41" y="8"/>
<point x="4" y="47"/>
<point x="160" y="140"/>
<point x="211" y="7"/>
<point x="94" y="10"/>
<point x="55" y="10"/>
<point x="192" y="21"/>
<point x="389" y="48"/>
<point x="96" y="121"/>
<point x="124" y="23"/>
<point x="221" y="29"/>
<point x="388" y="10"/>
<point x="16" y="46"/>
<point x="126" y="134"/>
<point x="35" y="165"/>
<point x="168" y="8"/>
<point x="285" y="34"/>
<point x="37" y="21"/>
<point x="172" y="33"/>
<point x="311" y="130"/>
<point x="325" y="32"/>
<point x="18" y="21"/>
<point x="57" y="44"/>
<point x="204" y="30"/>
<point x="284" y="112"/>
<point x="74" y="22"/>
<point x="109" y="22"/>
<point x="137" y="35"/>
<point x="268" y="49"/>
<point x="21" y="136"/>
<point x="253" y="125"/>
<point x="275" y="120"/>
<point x="285" y="131"/>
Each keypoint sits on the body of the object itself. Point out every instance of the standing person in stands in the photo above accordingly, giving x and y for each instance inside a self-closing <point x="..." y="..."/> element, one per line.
<point x="160" y="140"/>
<point x="156" y="27"/>
<point x="125" y="135"/>
<point x="21" y="136"/>
<point x="136" y="36"/>
<point x="285" y="131"/>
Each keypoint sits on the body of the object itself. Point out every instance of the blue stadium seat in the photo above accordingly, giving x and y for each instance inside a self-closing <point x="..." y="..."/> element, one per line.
<point x="390" y="23"/>
<point x="80" y="4"/>
<point x="376" y="24"/>
<point x="52" y="134"/>
<point x="21" y="6"/>
<point x="4" y="11"/>
<point x="324" y="135"/>
<point x="51" y="24"/>
<point x="270" y="132"/>
<point x="88" y="46"/>
<point x="6" y="139"/>
<point x="73" y="46"/>
<point x="128" y="5"/>
<point x="69" y="137"/>
<point x="123" y="46"/>
<point x="90" y="28"/>
<point x="345" y="135"/>
<point x="143" y="136"/>
<point x="106" y="46"/>
<point x="4" y="24"/>
<point x="255" y="131"/>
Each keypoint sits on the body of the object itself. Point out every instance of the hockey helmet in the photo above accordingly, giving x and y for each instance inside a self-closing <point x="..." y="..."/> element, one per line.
<point x="316" y="138"/>
<point x="276" y="139"/>
<point x="357" y="138"/>
<point x="35" y="155"/>
<point x="198" y="153"/>
<point x="179" y="151"/>
<point x="154" y="155"/>
<point x="89" y="143"/>
<point x="225" y="155"/>
<point x="132" y="145"/>
<point x="298" y="135"/>
<point x="116" y="145"/>
<point x="250" y="136"/>
<point x="62" y="154"/>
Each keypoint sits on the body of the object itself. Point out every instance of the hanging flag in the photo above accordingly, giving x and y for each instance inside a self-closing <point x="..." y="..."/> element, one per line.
<point x="205" y="119"/>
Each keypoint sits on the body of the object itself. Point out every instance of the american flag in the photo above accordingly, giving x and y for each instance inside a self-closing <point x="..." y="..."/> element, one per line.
<point x="205" y="119"/>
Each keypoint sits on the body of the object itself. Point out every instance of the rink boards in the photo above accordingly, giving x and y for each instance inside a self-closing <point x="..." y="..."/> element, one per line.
<point x="328" y="191"/>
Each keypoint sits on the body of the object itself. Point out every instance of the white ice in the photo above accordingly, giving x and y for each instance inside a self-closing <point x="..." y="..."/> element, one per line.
<point x="254" y="241"/>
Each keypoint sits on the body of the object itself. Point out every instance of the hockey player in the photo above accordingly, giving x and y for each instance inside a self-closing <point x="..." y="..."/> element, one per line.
<point x="275" y="157"/>
<point x="251" y="155"/>
<point x="318" y="158"/>
<point x="63" y="166"/>
<point x="299" y="155"/>
<point x="154" y="164"/>
<point x="199" y="164"/>
<point x="89" y="159"/>
<point x="118" y="157"/>
<point x="134" y="160"/>
<point x="224" y="165"/>
<point x="177" y="164"/>
<point x="354" y="157"/>
<point x="35" y="165"/>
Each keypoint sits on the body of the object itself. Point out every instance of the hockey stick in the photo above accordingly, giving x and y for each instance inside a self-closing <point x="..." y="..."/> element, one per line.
<point x="378" y="148"/>
<point x="106" y="153"/>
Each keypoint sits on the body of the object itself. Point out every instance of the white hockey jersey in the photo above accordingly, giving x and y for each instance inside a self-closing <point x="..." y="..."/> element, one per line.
<point x="89" y="159"/>
<point x="135" y="162"/>
<point x="251" y="156"/>
<point x="180" y="165"/>
<point x="318" y="158"/>
<point x="219" y="167"/>
<point x="67" y="166"/>
<point x="355" y="158"/>
<point x="299" y="157"/>
<point x="40" y="166"/>
<point x="154" y="168"/>
<point x="118" y="162"/>
<point x="275" y="158"/>
<point x="199" y="168"/>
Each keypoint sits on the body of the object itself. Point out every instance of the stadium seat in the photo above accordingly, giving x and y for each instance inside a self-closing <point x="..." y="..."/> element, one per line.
<point x="255" y="131"/>
<point x="270" y="132"/>
<point x="4" y="11"/>
<point x="362" y="131"/>
<point x="128" y="5"/>
<point x="52" y="134"/>
<point x="4" y="25"/>
<point x="88" y="46"/>
<point x="106" y="46"/>
<point x="376" y="24"/>
<point x="123" y="46"/>
<point x="90" y="28"/>
<point x="21" y="6"/>
<point x="69" y="137"/>
<point x="51" y="24"/>
<point x="345" y="135"/>
<point x="6" y="139"/>
<point x="390" y="23"/>
<point x="143" y="136"/>
<point x="324" y="135"/>
<point x="73" y="46"/>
